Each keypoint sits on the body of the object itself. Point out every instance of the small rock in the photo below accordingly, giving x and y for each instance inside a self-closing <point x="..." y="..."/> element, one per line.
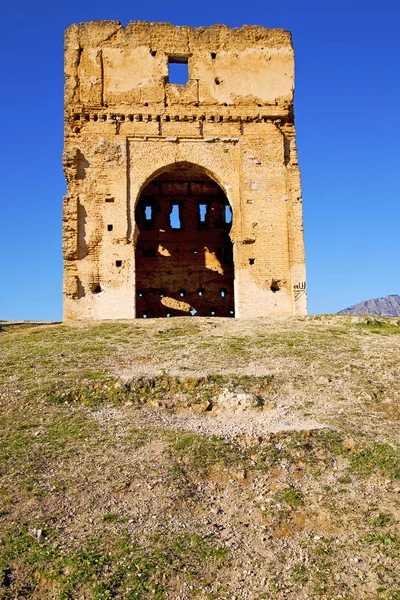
<point x="230" y="400"/>
<point x="37" y="533"/>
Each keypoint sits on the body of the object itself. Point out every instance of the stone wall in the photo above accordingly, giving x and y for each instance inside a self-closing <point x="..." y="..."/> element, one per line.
<point x="137" y="142"/>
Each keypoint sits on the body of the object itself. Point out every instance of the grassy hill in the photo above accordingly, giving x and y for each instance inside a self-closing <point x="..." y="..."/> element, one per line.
<point x="201" y="458"/>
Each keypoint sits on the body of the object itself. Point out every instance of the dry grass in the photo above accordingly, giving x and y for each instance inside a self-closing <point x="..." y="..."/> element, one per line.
<point x="105" y="493"/>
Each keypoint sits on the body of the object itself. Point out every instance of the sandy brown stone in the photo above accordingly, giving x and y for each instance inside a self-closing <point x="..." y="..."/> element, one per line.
<point x="182" y="198"/>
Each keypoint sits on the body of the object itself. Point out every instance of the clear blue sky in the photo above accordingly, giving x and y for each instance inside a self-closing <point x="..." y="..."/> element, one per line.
<point x="346" y="106"/>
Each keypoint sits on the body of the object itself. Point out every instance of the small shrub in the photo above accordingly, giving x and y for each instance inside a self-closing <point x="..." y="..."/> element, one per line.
<point x="292" y="497"/>
<point x="109" y="518"/>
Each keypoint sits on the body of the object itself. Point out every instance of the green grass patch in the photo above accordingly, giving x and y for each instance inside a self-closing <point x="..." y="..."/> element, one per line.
<point x="164" y="390"/>
<point x="388" y="543"/>
<point x="198" y="454"/>
<point x="380" y="326"/>
<point x="377" y="457"/>
<point x="292" y="497"/>
<point x="103" y="568"/>
<point x="28" y="448"/>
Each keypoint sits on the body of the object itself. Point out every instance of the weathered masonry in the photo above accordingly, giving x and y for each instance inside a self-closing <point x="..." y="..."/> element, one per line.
<point x="183" y="188"/>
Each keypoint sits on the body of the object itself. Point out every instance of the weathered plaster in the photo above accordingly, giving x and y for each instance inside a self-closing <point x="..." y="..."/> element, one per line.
<point x="127" y="128"/>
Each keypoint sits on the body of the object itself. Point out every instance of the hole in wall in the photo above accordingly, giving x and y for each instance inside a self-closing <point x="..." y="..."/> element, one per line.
<point x="201" y="291"/>
<point x="223" y="292"/>
<point x="118" y="263"/>
<point x="213" y="55"/>
<point x="174" y="218"/>
<point x="182" y="293"/>
<point x="168" y="314"/>
<point x="275" y="287"/>
<point x="228" y="214"/>
<point x="217" y="81"/>
<point x="193" y="312"/>
<point x="153" y="52"/>
<point x="213" y="313"/>
<point x="97" y="289"/>
<point x="144" y="315"/>
<point x="203" y="213"/>
<point x="251" y="261"/>
<point x="194" y="251"/>
<point x="109" y="199"/>
<point x="178" y="70"/>
<point x="110" y="227"/>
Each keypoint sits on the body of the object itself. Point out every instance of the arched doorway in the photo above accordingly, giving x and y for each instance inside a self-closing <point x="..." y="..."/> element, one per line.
<point x="183" y="254"/>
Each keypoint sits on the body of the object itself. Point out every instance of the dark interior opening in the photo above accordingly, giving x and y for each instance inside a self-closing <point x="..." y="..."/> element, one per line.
<point x="184" y="254"/>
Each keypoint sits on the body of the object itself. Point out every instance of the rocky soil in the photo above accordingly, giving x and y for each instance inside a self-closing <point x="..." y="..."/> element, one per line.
<point x="201" y="458"/>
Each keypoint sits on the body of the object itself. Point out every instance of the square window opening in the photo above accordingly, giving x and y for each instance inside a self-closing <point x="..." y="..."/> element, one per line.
<point x="178" y="70"/>
<point x="228" y="214"/>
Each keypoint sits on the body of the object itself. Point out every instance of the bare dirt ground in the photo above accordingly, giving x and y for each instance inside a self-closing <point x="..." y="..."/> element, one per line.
<point x="201" y="458"/>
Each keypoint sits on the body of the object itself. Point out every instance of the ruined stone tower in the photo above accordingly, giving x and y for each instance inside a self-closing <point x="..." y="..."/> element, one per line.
<point x="183" y="194"/>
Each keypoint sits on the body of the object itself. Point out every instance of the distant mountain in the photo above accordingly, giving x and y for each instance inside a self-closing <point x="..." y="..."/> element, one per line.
<point x="379" y="307"/>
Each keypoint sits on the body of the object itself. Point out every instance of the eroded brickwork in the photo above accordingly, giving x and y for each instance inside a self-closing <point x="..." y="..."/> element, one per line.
<point x="183" y="198"/>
